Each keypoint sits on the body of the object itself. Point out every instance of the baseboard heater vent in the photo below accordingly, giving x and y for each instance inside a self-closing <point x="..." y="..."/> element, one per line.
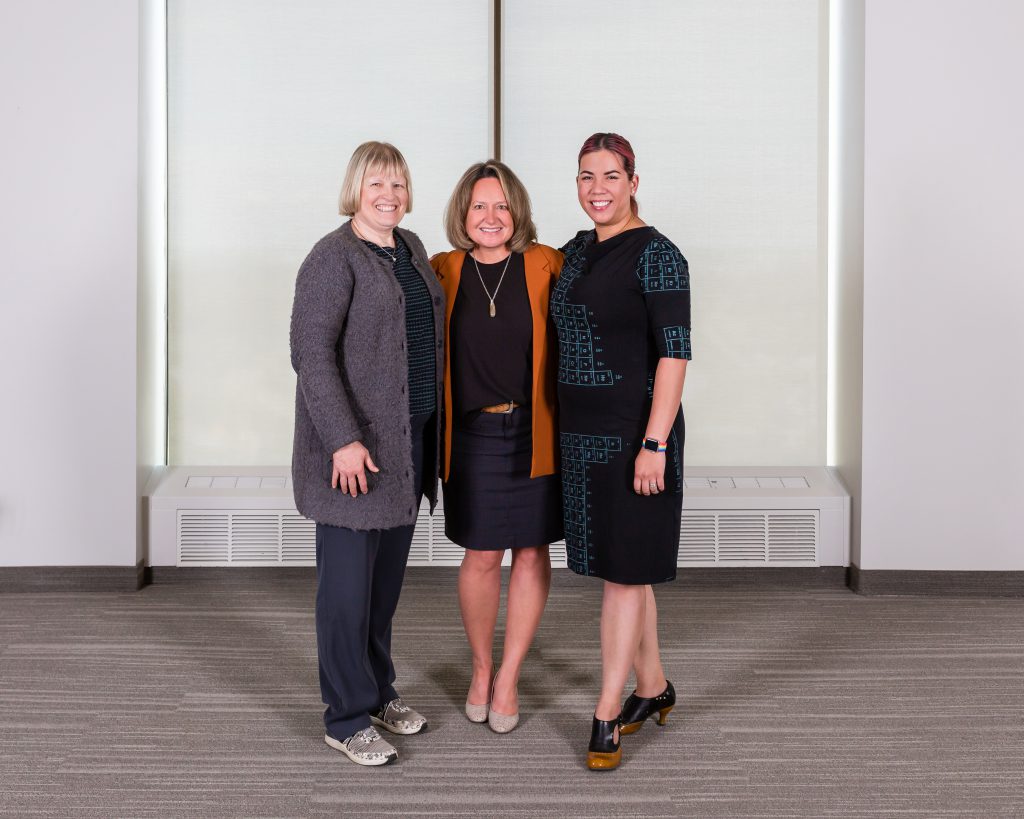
<point x="219" y="538"/>
<point x="244" y="516"/>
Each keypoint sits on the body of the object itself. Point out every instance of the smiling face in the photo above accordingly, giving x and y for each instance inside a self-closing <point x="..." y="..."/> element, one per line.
<point x="604" y="189"/>
<point x="383" y="199"/>
<point x="488" y="219"/>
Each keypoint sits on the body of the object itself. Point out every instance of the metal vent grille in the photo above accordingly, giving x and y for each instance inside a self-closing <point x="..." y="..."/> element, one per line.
<point x="204" y="538"/>
<point x="698" y="537"/>
<point x="749" y="537"/>
<point x="244" y="538"/>
<point x="419" y="554"/>
<point x="283" y="537"/>
<point x="298" y="540"/>
<point x="792" y="537"/>
<point x="741" y="536"/>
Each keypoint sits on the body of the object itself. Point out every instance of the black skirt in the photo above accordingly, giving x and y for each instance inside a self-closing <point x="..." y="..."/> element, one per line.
<point x="490" y="501"/>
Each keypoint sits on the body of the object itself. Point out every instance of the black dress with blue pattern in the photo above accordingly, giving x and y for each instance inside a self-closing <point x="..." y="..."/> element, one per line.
<point x="619" y="306"/>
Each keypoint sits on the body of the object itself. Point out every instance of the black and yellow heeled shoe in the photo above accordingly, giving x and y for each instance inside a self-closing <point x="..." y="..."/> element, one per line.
<point x="637" y="710"/>
<point x="604" y="752"/>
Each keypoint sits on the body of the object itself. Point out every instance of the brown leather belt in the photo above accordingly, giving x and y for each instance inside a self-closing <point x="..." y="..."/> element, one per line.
<point x="506" y="408"/>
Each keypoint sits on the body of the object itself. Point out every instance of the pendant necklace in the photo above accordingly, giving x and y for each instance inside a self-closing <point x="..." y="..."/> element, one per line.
<point x="491" y="297"/>
<point x="390" y="255"/>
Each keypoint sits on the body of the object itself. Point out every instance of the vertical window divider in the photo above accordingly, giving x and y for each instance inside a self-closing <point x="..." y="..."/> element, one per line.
<point x="496" y="72"/>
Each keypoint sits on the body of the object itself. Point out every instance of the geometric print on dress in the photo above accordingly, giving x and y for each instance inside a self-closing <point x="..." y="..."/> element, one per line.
<point x="578" y="453"/>
<point x="677" y="463"/>
<point x="577" y="364"/>
<point x="661" y="267"/>
<point x="677" y="342"/>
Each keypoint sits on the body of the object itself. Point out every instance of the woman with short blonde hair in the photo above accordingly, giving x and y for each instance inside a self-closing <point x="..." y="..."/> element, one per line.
<point x="367" y="317"/>
<point x="501" y="488"/>
<point x="378" y="156"/>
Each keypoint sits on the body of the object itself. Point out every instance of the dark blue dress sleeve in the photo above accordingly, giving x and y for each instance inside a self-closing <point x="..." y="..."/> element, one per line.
<point x="665" y="280"/>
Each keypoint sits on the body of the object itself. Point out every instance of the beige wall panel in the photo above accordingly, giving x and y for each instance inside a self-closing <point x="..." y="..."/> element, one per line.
<point x="723" y="102"/>
<point x="267" y="100"/>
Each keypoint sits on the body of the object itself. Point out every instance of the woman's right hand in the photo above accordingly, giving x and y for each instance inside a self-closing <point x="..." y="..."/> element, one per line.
<point x="350" y="465"/>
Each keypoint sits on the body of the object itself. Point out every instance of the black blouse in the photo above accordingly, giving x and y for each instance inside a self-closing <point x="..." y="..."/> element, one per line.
<point x="492" y="357"/>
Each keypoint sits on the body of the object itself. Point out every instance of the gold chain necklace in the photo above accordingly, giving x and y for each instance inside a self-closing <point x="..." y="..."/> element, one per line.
<point x="491" y="297"/>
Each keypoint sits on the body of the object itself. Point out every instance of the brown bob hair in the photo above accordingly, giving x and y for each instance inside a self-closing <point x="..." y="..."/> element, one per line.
<point x="524" y="232"/>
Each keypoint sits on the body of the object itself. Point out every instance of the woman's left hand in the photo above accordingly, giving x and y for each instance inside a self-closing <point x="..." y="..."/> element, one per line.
<point x="649" y="473"/>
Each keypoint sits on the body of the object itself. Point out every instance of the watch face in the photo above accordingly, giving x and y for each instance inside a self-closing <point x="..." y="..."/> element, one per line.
<point x="651" y="445"/>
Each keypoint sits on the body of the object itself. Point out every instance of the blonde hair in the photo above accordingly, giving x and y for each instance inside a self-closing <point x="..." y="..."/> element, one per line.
<point x="371" y="156"/>
<point x="524" y="233"/>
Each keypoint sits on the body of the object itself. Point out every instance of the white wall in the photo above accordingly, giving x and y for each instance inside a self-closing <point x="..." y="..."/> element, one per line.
<point x="848" y="250"/>
<point x="942" y="283"/>
<point x="943" y="439"/>
<point x="69" y="88"/>
<point x="151" y="319"/>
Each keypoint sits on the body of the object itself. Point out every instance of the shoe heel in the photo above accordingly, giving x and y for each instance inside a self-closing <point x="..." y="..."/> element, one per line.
<point x="597" y="761"/>
<point x="663" y="714"/>
<point x="604" y="753"/>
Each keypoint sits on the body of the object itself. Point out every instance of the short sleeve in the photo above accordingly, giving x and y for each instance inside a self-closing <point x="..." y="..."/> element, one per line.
<point x="665" y="280"/>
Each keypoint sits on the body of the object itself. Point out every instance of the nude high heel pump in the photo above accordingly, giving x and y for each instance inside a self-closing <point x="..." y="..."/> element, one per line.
<point x="478" y="713"/>
<point x="501" y="723"/>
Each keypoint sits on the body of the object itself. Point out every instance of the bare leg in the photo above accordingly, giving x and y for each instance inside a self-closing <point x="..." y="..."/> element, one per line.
<point x="527" y="593"/>
<point x="622" y="621"/>
<point x="650" y="676"/>
<point x="479" y="595"/>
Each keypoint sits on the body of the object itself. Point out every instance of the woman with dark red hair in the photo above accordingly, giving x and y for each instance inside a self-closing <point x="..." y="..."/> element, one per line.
<point x="622" y="310"/>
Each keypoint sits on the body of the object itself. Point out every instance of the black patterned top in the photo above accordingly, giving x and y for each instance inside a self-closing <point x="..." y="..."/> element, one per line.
<point x="619" y="307"/>
<point x="419" y="326"/>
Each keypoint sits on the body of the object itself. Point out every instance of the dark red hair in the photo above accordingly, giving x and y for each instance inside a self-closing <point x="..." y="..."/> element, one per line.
<point x="619" y="146"/>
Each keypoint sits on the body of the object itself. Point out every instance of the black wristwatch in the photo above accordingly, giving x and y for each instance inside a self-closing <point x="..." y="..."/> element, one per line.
<point x="654" y="445"/>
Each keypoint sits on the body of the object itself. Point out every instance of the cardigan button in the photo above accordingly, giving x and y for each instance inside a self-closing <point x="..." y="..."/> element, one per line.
<point x="437" y="300"/>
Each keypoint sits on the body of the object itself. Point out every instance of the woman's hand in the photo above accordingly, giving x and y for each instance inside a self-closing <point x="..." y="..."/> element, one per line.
<point x="350" y="465"/>
<point x="649" y="473"/>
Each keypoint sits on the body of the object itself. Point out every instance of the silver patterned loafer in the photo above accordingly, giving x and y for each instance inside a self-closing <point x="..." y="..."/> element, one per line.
<point x="365" y="747"/>
<point x="399" y="718"/>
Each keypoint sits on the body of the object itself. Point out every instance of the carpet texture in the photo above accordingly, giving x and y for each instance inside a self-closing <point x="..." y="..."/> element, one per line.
<point x="198" y="696"/>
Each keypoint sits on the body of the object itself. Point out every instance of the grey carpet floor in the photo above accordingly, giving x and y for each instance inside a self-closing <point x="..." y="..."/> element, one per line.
<point x="198" y="697"/>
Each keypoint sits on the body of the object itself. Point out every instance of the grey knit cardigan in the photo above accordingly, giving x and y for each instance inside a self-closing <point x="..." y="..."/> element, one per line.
<point x="348" y="347"/>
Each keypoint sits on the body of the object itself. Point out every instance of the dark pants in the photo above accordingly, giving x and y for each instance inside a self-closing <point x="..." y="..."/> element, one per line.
<point x="359" y="579"/>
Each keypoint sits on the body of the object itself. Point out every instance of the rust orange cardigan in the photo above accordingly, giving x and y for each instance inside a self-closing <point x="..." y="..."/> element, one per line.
<point x="543" y="265"/>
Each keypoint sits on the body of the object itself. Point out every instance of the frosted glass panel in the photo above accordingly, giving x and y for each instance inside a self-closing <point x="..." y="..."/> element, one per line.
<point x="724" y="103"/>
<point x="267" y="100"/>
